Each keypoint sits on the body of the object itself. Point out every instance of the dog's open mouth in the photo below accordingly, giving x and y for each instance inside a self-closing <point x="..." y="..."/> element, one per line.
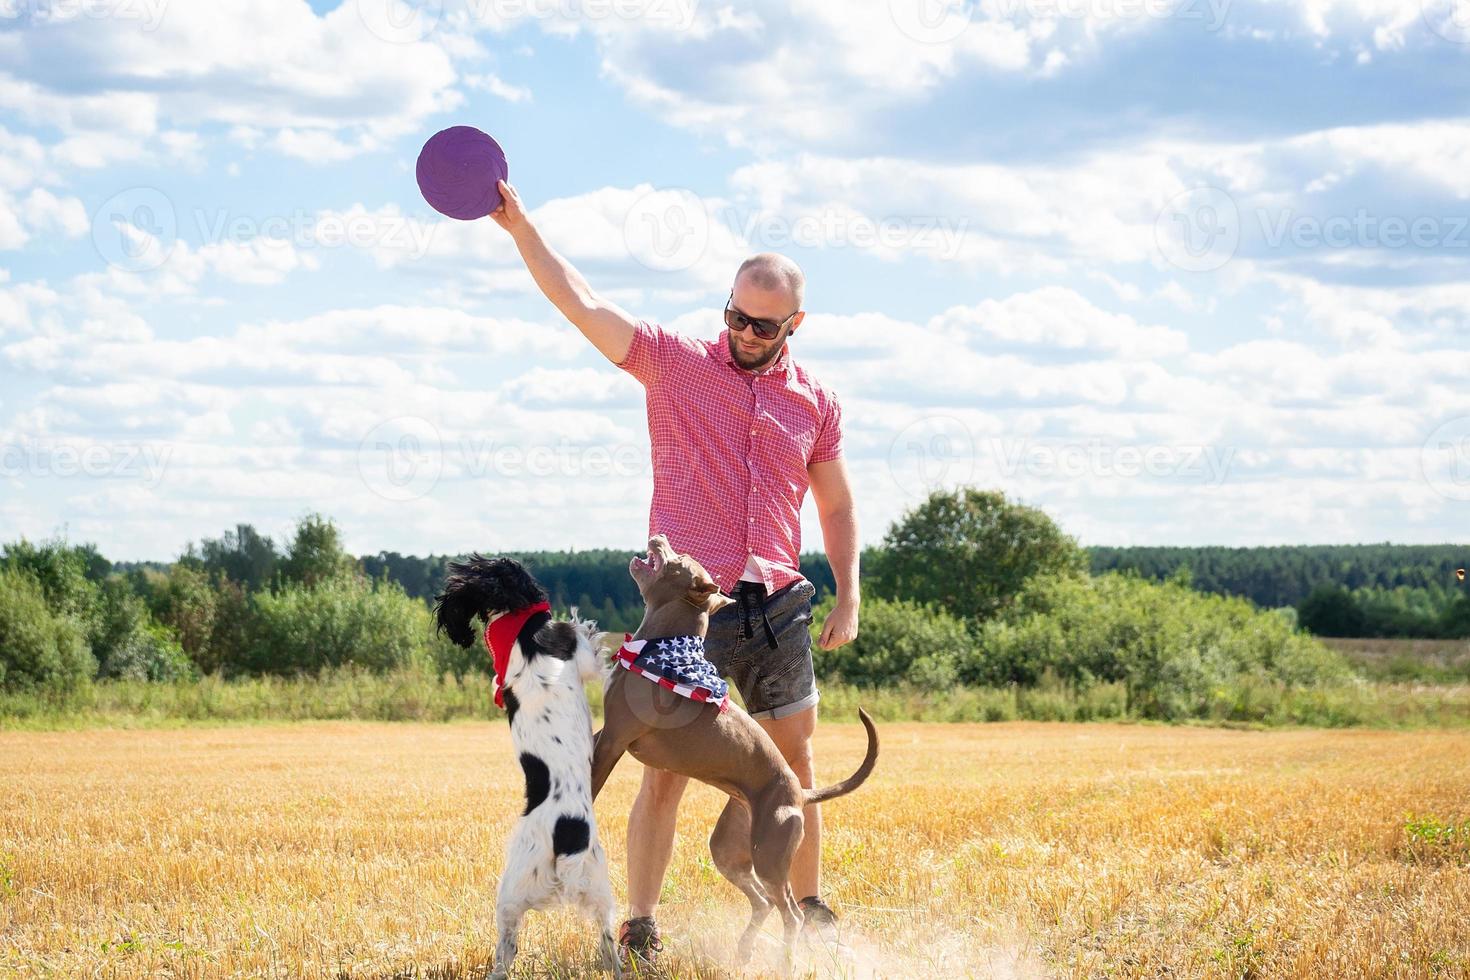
<point x="651" y="563"/>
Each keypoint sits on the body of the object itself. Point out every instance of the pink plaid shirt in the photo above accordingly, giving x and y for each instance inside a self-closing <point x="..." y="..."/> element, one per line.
<point x="730" y="450"/>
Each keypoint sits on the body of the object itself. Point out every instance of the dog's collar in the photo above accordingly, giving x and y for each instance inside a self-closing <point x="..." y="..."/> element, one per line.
<point x="500" y="638"/>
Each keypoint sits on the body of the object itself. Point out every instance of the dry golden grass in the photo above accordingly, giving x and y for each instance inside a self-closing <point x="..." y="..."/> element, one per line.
<point x="1024" y="849"/>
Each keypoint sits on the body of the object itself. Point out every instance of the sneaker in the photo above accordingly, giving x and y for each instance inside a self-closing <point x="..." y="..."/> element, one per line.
<point x="638" y="940"/>
<point x="819" y="918"/>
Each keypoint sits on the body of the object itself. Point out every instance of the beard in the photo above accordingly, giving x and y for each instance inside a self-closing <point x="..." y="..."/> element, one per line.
<point x="755" y="362"/>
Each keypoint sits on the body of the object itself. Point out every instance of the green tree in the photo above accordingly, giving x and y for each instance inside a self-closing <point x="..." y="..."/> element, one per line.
<point x="41" y="649"/>
<point x="315" y="553"/>
<point x="61" y="572"/>
<point x="243" y="555"/>
<point x="970" y="552"/>
<point x="1331" y="610"/>
<point x="1454" y="622"/>
<point x="186" y="602"/>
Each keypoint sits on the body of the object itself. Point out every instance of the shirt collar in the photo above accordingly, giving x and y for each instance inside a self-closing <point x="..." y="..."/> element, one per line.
<point x="779" y="366"/>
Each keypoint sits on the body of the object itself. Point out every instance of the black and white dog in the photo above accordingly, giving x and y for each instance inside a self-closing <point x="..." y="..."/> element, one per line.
<point x="540" y="666"/>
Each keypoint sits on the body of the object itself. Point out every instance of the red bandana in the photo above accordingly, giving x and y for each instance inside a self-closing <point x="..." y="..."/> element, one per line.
<point x="500" y="637"/>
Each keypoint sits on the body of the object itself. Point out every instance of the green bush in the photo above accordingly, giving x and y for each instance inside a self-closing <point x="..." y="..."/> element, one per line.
<point x="896" y="641"/>
<point x="41" y="651"/>
<point x="127" y="642"/>
<point x="339" y="621"/>
<point x="1169" y="646"/>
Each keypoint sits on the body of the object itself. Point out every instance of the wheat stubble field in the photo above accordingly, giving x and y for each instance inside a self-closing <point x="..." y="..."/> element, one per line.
<point x="1011" y="850"/>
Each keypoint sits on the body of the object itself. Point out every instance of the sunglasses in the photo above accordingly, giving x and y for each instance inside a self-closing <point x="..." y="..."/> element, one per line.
<point x="764" y="329"/>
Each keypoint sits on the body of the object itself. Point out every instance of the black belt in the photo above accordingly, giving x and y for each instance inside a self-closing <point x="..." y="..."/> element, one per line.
<point x="752" y="599"/>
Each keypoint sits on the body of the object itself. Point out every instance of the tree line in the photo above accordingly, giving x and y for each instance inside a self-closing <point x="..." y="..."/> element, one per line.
<point x="967" y="588"/>
<point x="1368" y="590"/>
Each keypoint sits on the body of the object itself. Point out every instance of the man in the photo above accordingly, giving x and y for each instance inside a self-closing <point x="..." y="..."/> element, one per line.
<point x="738" y="432"/>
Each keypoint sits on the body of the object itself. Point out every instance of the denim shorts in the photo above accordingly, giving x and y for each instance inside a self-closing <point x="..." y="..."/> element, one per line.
<point x="773" y="683"/>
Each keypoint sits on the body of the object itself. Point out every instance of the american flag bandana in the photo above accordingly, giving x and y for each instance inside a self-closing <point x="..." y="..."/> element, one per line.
<point x="677" y="663"/>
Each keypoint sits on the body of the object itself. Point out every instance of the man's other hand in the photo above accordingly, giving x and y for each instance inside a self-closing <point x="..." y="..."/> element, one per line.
<point x="841" y="625"/>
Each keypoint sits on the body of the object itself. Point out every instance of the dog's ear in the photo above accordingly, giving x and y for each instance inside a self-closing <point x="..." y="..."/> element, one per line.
<point x="455" y="609"/>
<point x="468" y="592"/>
<point x="706" y="595"/>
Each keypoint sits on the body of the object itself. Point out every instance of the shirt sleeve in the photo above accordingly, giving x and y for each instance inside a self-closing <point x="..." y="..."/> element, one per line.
<point x="829" y="439"/>
<point x="649" y="352"/>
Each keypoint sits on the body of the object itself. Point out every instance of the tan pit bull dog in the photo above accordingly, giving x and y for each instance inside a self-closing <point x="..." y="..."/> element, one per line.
<point x="757" y="834"/>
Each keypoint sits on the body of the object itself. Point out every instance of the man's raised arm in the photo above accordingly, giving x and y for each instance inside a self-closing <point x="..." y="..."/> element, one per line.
<point x="606" y="324"/>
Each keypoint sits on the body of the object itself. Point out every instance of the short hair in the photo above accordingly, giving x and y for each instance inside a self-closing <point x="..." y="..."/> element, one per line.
<point x="771" y="271"/>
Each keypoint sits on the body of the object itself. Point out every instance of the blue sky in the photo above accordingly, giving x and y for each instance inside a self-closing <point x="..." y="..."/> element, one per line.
<point x="1175" y="271"/>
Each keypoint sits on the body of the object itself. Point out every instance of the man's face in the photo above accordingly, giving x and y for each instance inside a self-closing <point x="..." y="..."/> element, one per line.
<point x="746" y="349"/>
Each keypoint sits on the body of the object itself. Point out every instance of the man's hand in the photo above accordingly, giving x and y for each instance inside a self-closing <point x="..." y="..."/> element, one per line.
<point x="841" y="625"/>
<point x="511" y="215"/>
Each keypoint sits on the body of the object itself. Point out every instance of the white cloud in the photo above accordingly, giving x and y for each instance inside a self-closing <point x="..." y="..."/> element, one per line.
<point x="39" y="212"/>
<point x="321" y="84"/>
<point x="498" y="87"/>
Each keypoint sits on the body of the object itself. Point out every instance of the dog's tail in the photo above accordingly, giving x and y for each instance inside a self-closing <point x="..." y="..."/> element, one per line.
<point x="856" y="779"/>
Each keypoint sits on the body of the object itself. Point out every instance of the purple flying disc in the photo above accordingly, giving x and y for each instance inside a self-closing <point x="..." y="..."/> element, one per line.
<point x="457" y="171"/>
